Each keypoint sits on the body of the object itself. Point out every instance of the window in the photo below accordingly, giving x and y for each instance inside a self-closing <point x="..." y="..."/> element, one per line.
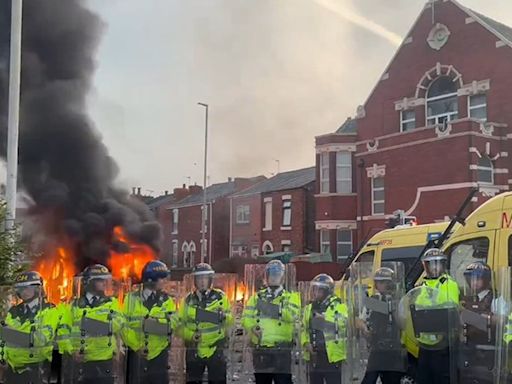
<point x="407" y="120"/>
<point x="243" y="214"/>
<point x="175" y="216"/>
<point x="365" y="264"/>
<point x="405" y="255"/>
<point x="466" y="252"/>
<point x="174" y="253"/>
<point x="192" y="253"/>
<point x="343" y="243"/>
<point x="442" y="101"/>
<point x="268" y="215"/>
<point x="255" y="251"/>
<point x="186" y="254"/>
<point x="325" y="242"/>
<point x="267" y="248"/>
<point x="324" y="172"/>
<point x="485" y="170"/>
<point x="287" y="213"/>
<point x="478" y="107"/>
<point x="378" y="196"/>
<point x="286" y="248"/>
<point x="343" y="172"/>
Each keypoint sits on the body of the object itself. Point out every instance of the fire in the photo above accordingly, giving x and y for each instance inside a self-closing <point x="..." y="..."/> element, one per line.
<point x="57" y="269"/>
<point x="129" y="264"/>
<point x="240" y="291"/>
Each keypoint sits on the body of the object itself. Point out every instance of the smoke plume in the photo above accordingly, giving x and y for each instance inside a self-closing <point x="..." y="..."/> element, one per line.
<point x="64" y="166"/>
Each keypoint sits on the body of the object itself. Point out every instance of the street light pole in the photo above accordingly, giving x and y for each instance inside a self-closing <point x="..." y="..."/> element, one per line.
<point x="14" y="112"/>
<point x="203" y="211"/>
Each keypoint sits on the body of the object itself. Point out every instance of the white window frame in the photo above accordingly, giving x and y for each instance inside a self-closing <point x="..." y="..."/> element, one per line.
<point x="325" y="242"/>
<point x="255" y="250"/>
<point x="268" y="216"/>
<point x="287" y="207"/>
<point x="406" y="121"/>
<point x="437" y="118"/>
<point x="485" y="169"/>
<point x="192" y="253"/>
<point x="339" y="243"/>
<point x="374" y="202"/>
<point x="478" y="106"/>
<point x="243" y="214"/>
<point x="340" y="182"/>
<point x="267" y="246"/>
<point x="174" y="253"/>
<point x="175" y="221"/>
<point x="324" y="177"/>
<point x="186" y="254"/>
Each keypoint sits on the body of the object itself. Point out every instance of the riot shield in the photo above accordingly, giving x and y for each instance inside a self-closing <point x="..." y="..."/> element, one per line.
<point x="502" y="317"/>
<point x="271" y="327"/>
<point x="429" y="315"/>
<point x="477" y="340"/>
<point x="92" y="347"/>
<point x="27" y="332"/>
<point x="150" y="312"/>
<point x="374" y="332"/>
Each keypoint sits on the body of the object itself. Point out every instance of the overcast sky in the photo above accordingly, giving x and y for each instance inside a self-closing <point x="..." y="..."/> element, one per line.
<point x="276" y="73"/>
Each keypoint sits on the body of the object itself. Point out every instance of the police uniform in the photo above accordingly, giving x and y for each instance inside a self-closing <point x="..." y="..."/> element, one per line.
<point x="328" y="344"/>
<point x="38" y="318"/>
<point x="148" y="355"/>
<point x="89" y="358"/>
<point x="204" y="321"/>
<point x="273" y="313"/>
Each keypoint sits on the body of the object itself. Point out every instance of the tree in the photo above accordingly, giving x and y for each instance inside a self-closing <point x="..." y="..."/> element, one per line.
<point x="10" y="250"/>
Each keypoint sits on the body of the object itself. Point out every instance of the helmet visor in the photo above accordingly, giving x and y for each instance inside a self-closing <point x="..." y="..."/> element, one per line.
<point x="319" y="291"/>
<point x="274" y="277"/>
<point x="203" y="282"/>
<point x="27" y="292"/>
<point x="434" y="268"/>
<point x="477" y="281"/>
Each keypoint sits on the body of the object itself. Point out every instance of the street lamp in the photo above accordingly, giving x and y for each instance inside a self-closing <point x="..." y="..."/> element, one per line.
<point x="203" y="214"/>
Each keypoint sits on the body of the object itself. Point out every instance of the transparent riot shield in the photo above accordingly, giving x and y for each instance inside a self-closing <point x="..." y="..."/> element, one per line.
<point x="375" y="342"/>
<point x="429" y="314"/>
<point x="502" y="317"/>
<point x="150" y="312"/>
<point x="271" y="326"/>
<point x="177" y="291"/>
<point x="91" y="335"/>
<point x="27" y="332"/>
<point x="477" y="340"/>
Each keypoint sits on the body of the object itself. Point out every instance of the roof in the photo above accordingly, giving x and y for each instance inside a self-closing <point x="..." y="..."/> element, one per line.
<point x="496" y="27"/>
<point x="213" y="192"/>
<point x="282" y="181"/>
<point x="349" y="126"/>
<point x="159" y="200"/>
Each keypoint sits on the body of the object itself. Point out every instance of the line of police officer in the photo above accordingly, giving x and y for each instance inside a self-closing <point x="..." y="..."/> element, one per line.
<point x="88" y="329"/>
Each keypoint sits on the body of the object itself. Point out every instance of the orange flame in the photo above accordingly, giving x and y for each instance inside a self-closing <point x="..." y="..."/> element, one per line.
<point x="240" y="291"/>
<point x="57" y="269"/>
<point x="129" y="264"/>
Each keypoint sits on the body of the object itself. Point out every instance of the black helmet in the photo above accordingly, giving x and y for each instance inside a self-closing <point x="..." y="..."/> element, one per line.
<point x="325" y="283"/>
<point x="478" y="270"/>
<point x="25" y="279"/>
<point x="155" y="270"/>
<point x="274" y="269"/>
<point x="203" y="269"/>
<point x="384" y="274"/>
<point x="434" y="263"/>
<point x="95" y="272"/>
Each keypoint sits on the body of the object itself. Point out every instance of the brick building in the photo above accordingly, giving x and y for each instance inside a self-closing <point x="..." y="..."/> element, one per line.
<point x="184" y="227"/>
<point x="434" y="126"/>
<point x="275" y="215"/>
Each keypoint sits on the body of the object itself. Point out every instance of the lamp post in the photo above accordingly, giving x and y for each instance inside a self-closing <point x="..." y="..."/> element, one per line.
<point x="203" y="210"/>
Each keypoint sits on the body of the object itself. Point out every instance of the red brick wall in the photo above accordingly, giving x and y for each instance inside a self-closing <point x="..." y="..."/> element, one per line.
<point x="248" y="234"/>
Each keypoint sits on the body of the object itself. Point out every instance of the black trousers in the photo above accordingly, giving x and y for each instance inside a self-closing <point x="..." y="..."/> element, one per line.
<point x="436" y="366"/>
<point x="272" y="365"/>
<point x="31" y="374"/>
<point x="276" y="378"/>
<point x="216" y="365"/>
<point x="385" y="377"/>
<point x="92" y="372"/>
<point x="154" y="371"/>
<point x="320" y="370"/>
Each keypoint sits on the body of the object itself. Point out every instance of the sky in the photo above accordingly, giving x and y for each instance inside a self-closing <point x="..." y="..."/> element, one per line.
<point x="275" y="73"/>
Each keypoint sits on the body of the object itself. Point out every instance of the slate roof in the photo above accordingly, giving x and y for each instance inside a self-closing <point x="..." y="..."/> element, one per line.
<point x="159" y="200"/>
<point x="213" y="192"/>
<point x="349" y="126"/>
<point x="496" y="26"/>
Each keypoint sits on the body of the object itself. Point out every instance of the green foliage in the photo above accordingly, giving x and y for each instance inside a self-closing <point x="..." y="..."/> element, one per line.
<point x="11" y="250"/>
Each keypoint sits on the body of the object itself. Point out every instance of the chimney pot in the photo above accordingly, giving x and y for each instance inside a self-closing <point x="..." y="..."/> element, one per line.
<point x="139" y="191"/>
<point x="133" y="190"/>
<point x="166" y="193"/>
<point x="184" y="186"/>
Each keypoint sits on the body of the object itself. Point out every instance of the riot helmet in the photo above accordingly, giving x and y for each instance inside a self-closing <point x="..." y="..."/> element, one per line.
<point x="203" y="277"/>
<point x="154" y="273"/>
<point x="478" y="277"/>
<point x="321" y="287"/>
<point x="384" y="280"/>
<point x="95" y="279"/>
<point x="274" y="274"/>
<point x="28" y="285"/>
<point x="434" y="263"/>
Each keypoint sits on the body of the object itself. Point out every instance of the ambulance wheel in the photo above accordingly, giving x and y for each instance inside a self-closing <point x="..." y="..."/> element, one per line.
<point x="406" y="379"/>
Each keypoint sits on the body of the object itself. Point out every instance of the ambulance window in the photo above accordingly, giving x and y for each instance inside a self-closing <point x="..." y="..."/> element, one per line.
<point x="466" y="252"/>
<point x="366" y="257"/>
<point x="406" y="255"/>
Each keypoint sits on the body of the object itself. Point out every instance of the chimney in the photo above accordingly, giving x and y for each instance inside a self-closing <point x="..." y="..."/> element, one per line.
<point x="138" y="191"/>
<point x="133" y="191"/>
<point x="242" y="183"/>
<point x="230" y="179"/>
<point x="194" y="189"/>
<point x="166" y="193"/>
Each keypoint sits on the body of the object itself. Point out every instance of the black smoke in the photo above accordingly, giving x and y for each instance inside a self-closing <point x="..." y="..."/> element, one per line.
<point x="64" y="166"/>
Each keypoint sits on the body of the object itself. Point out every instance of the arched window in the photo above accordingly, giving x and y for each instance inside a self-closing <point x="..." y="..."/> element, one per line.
<point x="485" y="170"/>
<point x="192" y="253"/>
<point x="186" y="254"/>
<point x="267" y="248"/>
<point x="442" y="101"/>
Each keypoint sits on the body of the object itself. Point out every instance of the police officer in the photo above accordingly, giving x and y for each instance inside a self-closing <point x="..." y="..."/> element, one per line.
<point x="89" y="330"/>
<point x="205" y="317"/>
<point x="150" y="321"/>
<point x="270" y="319"/>
<point x="324" y="324"/>
<point x="32" y="324"/>
<point x="436" y="360"/>
<point x="387" y="359"/>
<point x="478" y="338"/>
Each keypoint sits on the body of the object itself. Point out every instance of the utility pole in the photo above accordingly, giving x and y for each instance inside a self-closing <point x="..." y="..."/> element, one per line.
<point x="205" y="170"/>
